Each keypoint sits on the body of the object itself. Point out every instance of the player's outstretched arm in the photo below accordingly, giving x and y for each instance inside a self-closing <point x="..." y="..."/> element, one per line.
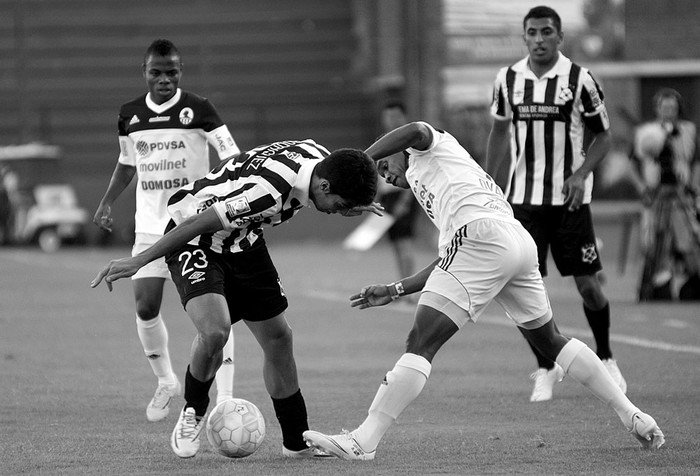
<point x="414" y="134"/>
<point x="205" y="222"/>
<point x="381" y="294"/>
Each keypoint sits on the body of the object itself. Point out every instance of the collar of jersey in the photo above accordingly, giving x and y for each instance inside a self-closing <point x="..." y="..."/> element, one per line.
<point x="562" y="66"/>
<point x="301" y="188"/>
<point x="158" y="108"/>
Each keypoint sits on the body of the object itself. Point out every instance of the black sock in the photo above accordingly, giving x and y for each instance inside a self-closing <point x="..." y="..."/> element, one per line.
<point x="600" y="325"/>
<point x="542" y="361"/>
<point x="197" y="393"/>
<point x="291" y="413"/>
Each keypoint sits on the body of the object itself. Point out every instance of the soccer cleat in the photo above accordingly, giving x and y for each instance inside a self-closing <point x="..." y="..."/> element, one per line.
<point x="645" y="429"/>
<point x="544" y="382"/>
<point x="343" y="446"/>
<point x="307" y="453"/>
<point x="185" y="438"/>
<point x="159" y="406"/>
<point x="615" y="373"/>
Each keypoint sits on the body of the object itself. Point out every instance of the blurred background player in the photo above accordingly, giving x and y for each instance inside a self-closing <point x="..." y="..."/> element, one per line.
<point x="398" y="202"/>
<point x="669" y="184"/>
<point x="542" y="106"/>
<point x="164" y="138"/>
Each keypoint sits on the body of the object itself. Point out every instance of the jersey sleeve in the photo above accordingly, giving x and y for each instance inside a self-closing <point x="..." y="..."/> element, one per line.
<point x="593" y="110"/>
<point x="249" y="206"/>
<point x="222" y="141"/>
<point x="500" y="108"/>
<point x="127" y="153"/>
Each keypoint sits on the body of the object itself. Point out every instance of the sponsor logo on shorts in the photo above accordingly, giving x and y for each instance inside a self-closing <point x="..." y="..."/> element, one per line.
<point x="196" y="277"/>
<point x="588" y="253"/>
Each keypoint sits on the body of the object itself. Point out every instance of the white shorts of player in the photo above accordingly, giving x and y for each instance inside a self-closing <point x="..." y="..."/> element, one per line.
<point x="154" y="269"/>
<point x="493" y="261"/>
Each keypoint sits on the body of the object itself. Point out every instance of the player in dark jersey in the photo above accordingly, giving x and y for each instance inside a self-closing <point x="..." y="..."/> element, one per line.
<point x="164" y="137"/>
<point x="223" y="272"/>
<point x="543" y="107"/>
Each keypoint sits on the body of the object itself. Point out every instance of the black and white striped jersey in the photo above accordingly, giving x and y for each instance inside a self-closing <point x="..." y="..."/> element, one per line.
<point x="548" y="116"/>
<point x="264" y="186"/>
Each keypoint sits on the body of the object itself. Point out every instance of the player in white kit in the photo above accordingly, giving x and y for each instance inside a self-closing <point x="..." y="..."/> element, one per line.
<point x="484" y="255"/>
<point x="164" y="138"/>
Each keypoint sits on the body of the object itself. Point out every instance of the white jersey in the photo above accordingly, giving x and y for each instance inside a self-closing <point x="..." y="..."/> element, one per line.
<point x="168" y="145"/>
<point x="452" y="188"/>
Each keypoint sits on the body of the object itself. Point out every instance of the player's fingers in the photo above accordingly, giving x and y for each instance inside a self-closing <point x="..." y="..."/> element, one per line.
<point x="98" y="279"/>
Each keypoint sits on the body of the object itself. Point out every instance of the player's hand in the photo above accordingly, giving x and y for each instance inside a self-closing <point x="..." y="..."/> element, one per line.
<point x="103" y="217"/>
<point x="375" y="208"/>
<point x="370" y="296"/>
<point x="116" y="269"/>
<point x="573" y="191"/>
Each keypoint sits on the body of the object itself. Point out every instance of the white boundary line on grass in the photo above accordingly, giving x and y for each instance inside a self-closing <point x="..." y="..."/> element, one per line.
<point x="501" y="321"/>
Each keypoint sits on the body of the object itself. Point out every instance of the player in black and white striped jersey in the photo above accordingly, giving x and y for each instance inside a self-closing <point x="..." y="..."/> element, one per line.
<point x="223" y="272"/>
<point x="553" y="112"/>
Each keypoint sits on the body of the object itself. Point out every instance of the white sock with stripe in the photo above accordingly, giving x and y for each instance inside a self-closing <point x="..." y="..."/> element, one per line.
<point x="224" y="376"/>
<point x="579" y="361"/>
<point x="400" y="387"/>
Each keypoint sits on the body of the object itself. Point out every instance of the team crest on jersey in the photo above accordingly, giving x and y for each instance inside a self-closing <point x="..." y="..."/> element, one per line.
<point x="186" y="116"/>
<point x="237" y="206"/>
<point x="588" y="253"/>
<point x="566" y="95"/>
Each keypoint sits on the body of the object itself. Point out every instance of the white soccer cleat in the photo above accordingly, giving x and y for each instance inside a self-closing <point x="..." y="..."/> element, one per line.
<point x="645" y="429"/>
<point x="159" y="406"/>
<point x="544" y="382"/>
<point x="185" y="439"/>
<point x="307" y="453"/>
<point x="614" y="371"/>
<point x="343" y="446"/>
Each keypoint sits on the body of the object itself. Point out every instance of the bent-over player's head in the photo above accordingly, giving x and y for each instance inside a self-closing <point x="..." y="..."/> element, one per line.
<point x="350" y="173"/>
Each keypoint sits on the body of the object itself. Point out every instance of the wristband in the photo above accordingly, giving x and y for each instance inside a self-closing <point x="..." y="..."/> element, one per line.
<point x="398" y="290"/>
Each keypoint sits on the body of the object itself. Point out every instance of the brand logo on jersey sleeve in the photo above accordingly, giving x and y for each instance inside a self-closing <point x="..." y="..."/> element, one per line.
<point x="186" y="116"/>
<point x="237" y="206"/>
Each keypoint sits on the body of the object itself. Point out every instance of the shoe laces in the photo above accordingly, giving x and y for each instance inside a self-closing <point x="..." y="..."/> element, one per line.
<point x="190" y="425"/>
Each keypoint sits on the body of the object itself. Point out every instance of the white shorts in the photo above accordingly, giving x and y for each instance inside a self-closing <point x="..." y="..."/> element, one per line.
<point x="491" y="260"/>
<point x="154" y="269"/>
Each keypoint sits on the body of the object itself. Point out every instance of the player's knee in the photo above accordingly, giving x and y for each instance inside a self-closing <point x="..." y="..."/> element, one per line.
<point x="591" y="291"/>
<point x="215" y="337"/>
<point x="147" y="311"/>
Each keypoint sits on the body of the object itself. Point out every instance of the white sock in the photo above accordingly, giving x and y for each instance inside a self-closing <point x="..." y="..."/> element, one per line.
<point x="579" y="361"/>
<point x="400" y="387"/>
<point x="224" y="376"/>
<point x="154" y="340"/>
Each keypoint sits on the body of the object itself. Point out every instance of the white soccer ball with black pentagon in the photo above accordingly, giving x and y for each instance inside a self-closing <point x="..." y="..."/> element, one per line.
<point x="235" y="428"/>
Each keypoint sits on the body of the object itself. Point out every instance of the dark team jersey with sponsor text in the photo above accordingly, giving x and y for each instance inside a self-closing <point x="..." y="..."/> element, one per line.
<point x="168" y="146"/>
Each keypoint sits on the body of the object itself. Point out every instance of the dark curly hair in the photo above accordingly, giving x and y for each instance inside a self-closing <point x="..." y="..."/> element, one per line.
<point x="161" y="47"/>
<point x="352" y="174"/>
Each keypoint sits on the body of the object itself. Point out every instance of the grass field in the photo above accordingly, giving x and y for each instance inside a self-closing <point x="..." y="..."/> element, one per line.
<point x="75" y="382"/>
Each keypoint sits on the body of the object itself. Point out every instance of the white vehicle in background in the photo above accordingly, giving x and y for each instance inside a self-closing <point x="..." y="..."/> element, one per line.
<point x="42" y="207"/>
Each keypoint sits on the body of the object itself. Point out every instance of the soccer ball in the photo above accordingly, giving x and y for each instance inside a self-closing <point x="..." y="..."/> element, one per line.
<point x="649" y="140"/>
<point x="235" y="428"/>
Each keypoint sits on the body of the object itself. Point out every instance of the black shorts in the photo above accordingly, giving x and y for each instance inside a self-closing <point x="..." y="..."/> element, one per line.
<point x="570" y="236"/>
<point x="248" y="280"/>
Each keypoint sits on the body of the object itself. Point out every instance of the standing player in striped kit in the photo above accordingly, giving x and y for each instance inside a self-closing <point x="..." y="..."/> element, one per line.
<point x="485" y="255"/>
<point x="550" y="116"/>
<point x="164" y="137"/>
<point x="223" y="272"/>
